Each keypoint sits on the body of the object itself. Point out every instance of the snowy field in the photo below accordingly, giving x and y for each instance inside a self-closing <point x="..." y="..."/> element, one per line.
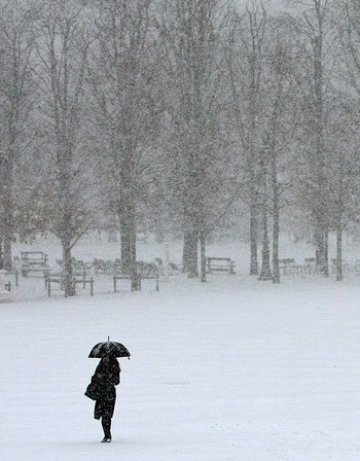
<point x="231" y="370"/>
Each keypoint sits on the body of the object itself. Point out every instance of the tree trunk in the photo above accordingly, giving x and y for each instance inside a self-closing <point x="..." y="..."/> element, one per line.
<point x="339" y="221"/>
<point x="1" y="255"/>
<point x="320" y="248"/>
<point x="275" y="249"/>
<point x="326" y="253"/>
<point x="7" y="199"/>
<point x="276" y="224"/>
<point x="186" y="251"/>
<point x="254" y="267"/>
<point x="254" y="198"/>
<point x="339" y="235"/>
<point x="190" y="249"/>
<point x="193" y="268"/>
<point x="8" y="229"/>
<point x="320" y="163"/>
<point x="125" y="241"/>
<point x="322" y="251"/>
<point x="67" y="267"/>
<point x="265" y="272"/>
<point x="128" y="247"/>
<point x="280" y="62"/>
<point x="203" y="256"/>
<point x="7" y="253"/>
<point x="135" y="277"/>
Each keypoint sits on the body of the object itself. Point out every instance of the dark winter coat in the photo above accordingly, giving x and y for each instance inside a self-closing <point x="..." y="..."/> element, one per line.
<point x="106" y="377"/>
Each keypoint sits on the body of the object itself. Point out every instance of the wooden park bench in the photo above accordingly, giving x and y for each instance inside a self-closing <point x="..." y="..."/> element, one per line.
<point x="15" y="273"/>
<point x="84" y="282"/>
<point x="310" y="266"/>
<point x="287" y="266"/>
<point x="59" y="279"/>
<point x="220" y="265"/>
<point x="8" y="286"/>
<point x="139" y="280"/>
<point x="145" y="271"/>
<point x="33" y="262"/>
<point x="5" y="288"/>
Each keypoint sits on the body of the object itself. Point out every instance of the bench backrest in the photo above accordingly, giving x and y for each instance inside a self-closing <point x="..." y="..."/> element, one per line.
<point x="33" y="256"/>
<point x="287" y="261"/>
<point x="309" y="260"/>
<point x="218" y="259"/>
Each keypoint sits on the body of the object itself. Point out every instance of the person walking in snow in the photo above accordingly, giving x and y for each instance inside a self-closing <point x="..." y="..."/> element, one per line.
<point x="103" y="382"/>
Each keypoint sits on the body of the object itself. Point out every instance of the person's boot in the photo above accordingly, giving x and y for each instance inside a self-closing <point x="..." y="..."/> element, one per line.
<point x="106" y="423"/>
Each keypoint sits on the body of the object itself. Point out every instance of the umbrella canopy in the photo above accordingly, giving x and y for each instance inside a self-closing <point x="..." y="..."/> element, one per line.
<point x="109" y="348"/>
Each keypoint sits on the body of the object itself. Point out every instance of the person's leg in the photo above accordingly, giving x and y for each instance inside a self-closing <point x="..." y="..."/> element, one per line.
<point x="106" y="424"/>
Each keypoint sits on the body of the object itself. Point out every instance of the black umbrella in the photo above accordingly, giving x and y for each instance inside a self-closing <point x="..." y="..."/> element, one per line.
<point x="109" y="348"/>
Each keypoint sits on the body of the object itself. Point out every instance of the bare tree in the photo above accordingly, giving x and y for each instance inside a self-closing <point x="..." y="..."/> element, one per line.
<point x="280" y="123"/>
<point x="316" y="60"/>
<point x="62" y="46"/>
<point x="344" y="122"/>
<point x="245" y="64"/>
<point x="347" y="20"/>
<point x="123" y="77"/>
<point x="193" y="33"/>
<point x="16" y="96"/>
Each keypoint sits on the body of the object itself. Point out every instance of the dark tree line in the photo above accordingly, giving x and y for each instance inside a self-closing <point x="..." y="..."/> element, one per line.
<point x="182" y="114"/>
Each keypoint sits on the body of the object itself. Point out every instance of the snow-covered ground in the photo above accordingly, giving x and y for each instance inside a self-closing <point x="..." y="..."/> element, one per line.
<point x="231" y="370"/>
